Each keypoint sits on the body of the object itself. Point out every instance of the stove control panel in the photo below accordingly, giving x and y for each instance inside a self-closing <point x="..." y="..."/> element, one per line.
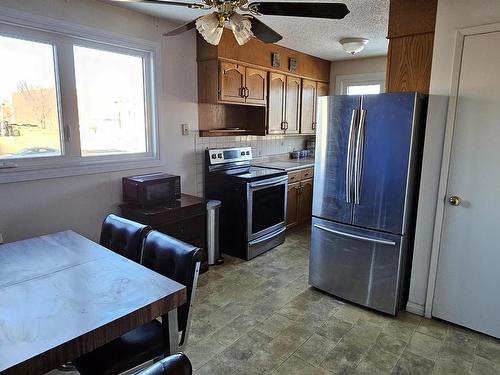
<point x="228" y="155"/>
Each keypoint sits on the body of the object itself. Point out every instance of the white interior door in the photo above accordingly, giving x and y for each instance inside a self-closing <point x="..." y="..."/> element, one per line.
<point x="467" y="288"/>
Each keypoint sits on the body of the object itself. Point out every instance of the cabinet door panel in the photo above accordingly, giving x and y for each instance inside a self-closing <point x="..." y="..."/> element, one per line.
<point x="292" y="205"/>
<point x="277" y="84"/>
<point x="232" y="79"/>
<point x="292" y="104"/>
<point x="305" y="200"/>
<point x="308" y="109"/>
<point x="256" y="83"/>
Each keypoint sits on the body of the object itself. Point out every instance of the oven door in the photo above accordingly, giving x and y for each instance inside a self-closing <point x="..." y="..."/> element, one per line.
<point x="267" y="201"/>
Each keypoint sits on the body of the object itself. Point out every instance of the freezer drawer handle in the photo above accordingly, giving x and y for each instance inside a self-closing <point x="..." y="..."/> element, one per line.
<point x="376" y="240"/>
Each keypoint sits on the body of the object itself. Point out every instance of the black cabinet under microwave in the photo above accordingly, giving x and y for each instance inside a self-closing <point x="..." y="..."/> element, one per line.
<point x="151" y="189"/>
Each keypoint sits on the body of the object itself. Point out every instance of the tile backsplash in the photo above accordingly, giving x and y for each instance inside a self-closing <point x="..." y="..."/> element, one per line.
<point x="261" y="146"/>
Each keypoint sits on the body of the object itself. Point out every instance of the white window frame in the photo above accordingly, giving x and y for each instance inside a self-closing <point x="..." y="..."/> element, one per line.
<point x="342" y="82"/>
<point x="64" y="36"/>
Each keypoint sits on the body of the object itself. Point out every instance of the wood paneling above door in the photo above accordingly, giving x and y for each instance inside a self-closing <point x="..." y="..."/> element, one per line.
<point x="409" y="63"/>
<point x="411" y="40"/>
<point x="410" y="17"/>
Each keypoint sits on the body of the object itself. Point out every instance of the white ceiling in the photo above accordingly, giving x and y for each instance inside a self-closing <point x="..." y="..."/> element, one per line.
<point x="318" y="37"/>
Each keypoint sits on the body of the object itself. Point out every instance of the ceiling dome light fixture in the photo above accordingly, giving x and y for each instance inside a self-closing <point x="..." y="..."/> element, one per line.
<point x="353" y="45"/>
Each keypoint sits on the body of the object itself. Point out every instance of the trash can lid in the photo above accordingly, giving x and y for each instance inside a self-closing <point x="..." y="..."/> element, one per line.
<point x="213" y="204"/>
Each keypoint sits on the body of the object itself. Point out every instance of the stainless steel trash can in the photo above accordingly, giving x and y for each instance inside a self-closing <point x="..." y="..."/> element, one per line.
<point x="214" y="256"/>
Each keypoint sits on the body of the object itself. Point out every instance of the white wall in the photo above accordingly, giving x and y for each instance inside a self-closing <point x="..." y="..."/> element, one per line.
<point x="80" y="203"/>
<point x="356" y="66"/>
<point x="451" y="15"/>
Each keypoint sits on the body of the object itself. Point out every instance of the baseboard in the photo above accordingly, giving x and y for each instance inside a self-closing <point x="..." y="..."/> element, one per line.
<point x="415" y="308"/>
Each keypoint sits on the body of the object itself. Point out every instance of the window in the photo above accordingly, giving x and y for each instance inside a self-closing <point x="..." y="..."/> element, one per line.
<point x="69" y="102"/>
<point x="29" y="112"/>
<point x="360" y="84"/>
<point x="357" y="89"/>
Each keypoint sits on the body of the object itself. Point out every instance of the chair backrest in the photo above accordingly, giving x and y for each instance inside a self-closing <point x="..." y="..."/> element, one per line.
<point x="123" y="236"/>
<point x="176" y="364"/>
<point x="178" y="261"/>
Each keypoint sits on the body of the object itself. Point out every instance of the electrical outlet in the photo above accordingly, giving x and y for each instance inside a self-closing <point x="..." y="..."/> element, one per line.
<point x="185" y="129"/>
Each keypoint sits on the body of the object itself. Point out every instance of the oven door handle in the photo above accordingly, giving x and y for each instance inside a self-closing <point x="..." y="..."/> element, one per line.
<point x="269" y="182"/>
<point x="267" y="236"/>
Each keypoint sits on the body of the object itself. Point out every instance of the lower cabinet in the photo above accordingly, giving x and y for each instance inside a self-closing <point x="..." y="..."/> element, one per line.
<point x="305" y="200"/>
<point x="300" y="193"/>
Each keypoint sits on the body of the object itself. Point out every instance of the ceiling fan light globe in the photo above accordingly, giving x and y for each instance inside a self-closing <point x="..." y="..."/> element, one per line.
<point x="209" y="28"/>
<point x="214" y="36"/>
<point x="207" y="23"/>
<point x="243" y="37"/>
<point x="242" y="28"/>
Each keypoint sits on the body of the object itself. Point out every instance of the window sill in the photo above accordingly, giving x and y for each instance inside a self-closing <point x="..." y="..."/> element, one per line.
<point x="67" y="170"/>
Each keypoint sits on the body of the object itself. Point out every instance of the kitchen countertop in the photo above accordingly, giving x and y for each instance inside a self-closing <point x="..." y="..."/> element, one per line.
<point x="284" y="164"/>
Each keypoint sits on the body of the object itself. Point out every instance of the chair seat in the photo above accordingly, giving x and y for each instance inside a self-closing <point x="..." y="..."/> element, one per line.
<point x="132" y="349"/>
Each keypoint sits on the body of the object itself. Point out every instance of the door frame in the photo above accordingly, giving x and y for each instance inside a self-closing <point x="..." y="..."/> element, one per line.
<point x="447" y="152"/>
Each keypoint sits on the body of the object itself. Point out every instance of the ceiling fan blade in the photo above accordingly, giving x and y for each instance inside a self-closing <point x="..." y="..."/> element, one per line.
<point x="165" y="2"/>
<point x="263" y="32"/>
<point x="181" y="29"/>
<point x="313" y="10"/>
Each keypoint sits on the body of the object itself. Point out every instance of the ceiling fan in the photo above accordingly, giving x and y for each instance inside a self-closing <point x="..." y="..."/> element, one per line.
<point x="247" y="25"/>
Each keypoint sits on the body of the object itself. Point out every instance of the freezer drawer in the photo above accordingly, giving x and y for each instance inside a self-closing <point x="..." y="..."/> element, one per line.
<point x="359" y="265"/>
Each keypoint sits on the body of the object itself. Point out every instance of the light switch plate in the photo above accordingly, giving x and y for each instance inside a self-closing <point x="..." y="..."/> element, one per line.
<point x="185" y="129"/>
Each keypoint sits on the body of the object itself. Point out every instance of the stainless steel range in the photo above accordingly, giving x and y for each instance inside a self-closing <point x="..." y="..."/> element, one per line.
<point x="253" y="212"/>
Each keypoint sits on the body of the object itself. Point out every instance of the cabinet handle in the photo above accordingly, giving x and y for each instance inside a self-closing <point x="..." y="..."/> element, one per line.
<point x="286" y="125"/>
<point x="314" y="125"/>
<point x="242" y="92"/>
<point x="246" y="92"/>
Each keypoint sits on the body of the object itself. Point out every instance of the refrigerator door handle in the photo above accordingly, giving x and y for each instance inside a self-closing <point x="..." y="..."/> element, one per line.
<point x="358" y="163"/>
<point x="350" y="157"/>
<point x="354" y="236"/>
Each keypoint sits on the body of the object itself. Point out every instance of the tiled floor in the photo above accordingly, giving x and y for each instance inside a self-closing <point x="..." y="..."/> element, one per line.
<point x="261" y="317"/>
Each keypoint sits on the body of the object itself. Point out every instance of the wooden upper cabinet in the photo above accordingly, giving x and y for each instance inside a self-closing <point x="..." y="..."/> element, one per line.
<point x="256" y="86"/>
<point x="323" y="88"/>
<point x="231" y="82"/>
<point x="308" y="107"/>
<point x="292" y="105"/>
<point x="276" y="105"/>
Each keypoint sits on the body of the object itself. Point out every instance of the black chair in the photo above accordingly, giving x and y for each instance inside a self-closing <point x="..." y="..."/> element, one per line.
<point x="124" y="237"/>
<point x="176" y="260"/>
<point x="176" y="364"/>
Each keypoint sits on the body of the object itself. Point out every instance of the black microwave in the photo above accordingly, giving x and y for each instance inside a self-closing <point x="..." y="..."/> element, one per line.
<point x="151" y="189"/>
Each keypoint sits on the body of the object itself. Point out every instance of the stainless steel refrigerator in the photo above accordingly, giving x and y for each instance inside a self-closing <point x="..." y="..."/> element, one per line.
<point x="367" y="172"/>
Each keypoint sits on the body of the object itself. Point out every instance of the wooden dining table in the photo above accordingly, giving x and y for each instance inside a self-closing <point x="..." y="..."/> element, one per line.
<point x="62" y="295"/>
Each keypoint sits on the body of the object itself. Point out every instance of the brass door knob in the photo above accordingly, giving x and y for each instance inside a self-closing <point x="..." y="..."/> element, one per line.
<point x="455" y="201"/>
